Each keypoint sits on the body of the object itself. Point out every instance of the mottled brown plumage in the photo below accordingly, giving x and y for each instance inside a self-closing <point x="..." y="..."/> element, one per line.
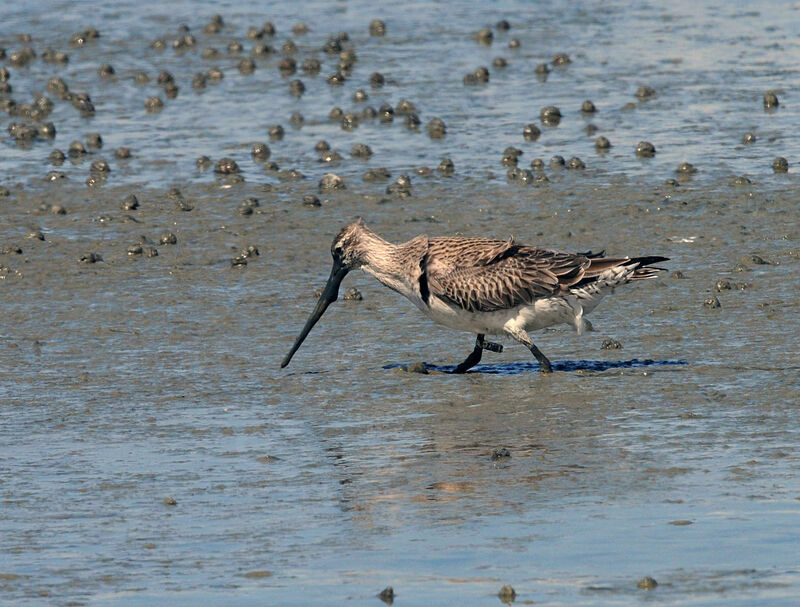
<point x="483" y="285"/>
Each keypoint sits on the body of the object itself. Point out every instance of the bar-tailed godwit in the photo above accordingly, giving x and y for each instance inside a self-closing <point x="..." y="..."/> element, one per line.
<point x="481" y="285"/>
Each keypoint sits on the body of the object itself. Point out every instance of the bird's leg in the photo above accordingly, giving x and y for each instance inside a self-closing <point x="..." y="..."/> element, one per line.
<point x="475" y="356"/>
<point x="523" y="338"/>
<point x="488" y="345"/>
<point x="473" y="359"/>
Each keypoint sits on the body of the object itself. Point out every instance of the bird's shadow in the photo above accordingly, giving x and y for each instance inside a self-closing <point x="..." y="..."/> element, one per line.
<point x="514" y="368"/>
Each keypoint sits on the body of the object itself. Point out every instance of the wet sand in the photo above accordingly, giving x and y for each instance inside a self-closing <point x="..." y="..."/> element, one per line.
<point x="154" y="451"/>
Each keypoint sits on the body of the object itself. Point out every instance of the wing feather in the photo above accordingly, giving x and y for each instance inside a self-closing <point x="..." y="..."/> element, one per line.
<point x="482" y="275"/>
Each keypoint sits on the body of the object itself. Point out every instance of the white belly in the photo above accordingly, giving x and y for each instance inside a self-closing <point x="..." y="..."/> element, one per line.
<point x="542" y="313"/>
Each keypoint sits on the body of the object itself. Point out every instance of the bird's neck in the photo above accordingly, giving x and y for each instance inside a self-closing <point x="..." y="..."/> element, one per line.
<point x="380" y="256"/>
<point x="387" y="262"/>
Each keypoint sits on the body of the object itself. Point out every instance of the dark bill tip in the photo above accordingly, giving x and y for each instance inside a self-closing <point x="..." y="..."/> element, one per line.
<point x="329" y="294"/>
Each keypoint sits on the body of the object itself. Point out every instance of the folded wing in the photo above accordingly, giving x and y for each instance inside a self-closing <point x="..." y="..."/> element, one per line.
<point x="498" y="275"/>
<point x="485" y="275"/>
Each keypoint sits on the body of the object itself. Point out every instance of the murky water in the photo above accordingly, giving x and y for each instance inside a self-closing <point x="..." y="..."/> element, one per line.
<point x="152" y="451"/>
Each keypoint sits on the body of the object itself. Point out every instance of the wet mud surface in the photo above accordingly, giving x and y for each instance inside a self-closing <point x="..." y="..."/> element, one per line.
<point x="153" y="451"/>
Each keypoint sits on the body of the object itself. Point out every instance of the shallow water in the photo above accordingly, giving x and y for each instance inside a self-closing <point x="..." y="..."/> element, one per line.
<point x="135" y="381"/>
<point x="709" y="64"/>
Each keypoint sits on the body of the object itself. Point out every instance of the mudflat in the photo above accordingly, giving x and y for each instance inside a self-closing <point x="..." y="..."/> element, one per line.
<point x="170" y="184"/>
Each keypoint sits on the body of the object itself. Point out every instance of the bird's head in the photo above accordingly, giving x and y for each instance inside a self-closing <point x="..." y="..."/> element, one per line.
<point x="348" y="252"/>
<point x="348" y="248"/>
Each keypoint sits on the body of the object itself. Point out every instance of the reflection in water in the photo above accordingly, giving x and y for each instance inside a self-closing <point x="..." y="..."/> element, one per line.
<point x="563" y="365"/>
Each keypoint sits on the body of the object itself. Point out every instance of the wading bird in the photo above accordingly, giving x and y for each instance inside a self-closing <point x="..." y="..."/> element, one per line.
<point x="481" y="285"/>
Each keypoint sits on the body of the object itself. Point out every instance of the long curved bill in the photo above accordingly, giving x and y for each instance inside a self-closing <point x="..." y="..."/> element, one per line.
<point x="329" y="294"/>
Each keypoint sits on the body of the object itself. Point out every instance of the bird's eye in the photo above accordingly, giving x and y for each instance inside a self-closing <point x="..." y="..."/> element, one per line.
<point x="338" y="250"/>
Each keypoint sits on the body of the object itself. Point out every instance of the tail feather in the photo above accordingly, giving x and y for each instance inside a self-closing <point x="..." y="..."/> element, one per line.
<point x="622" y="269"/>
<point x="605" y="274"/>
<point x="643" y="269"/>
<point x="648" y="260"/>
